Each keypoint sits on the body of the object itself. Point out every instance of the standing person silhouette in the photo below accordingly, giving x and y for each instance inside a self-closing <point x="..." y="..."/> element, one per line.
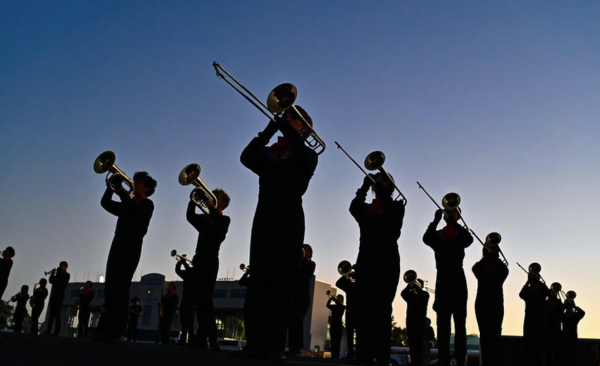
<point x="6" y="264"/>
<point x="417" y="300"/>
<point x="284" y="171"/>
<point x="301" y="301"/>
<point x="21" y="309"/>
<point x="337" y="307"/>
<point x="59" y="280"/>
<point x="451" y="291"/>
<point x="534" y="293"/>
<point x="85" y="298"/>
<point x="37" y="305"/>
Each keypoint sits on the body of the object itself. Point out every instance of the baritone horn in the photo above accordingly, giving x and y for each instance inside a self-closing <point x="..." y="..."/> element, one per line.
<point x="200" y="195"/>
<point x="279" y="100"/>
<point x="179" y="256"/>
<point x="115" y="177"/>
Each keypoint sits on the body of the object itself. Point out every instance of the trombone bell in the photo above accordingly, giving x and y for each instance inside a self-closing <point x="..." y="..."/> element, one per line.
<point x="281" y="98"/>
<point x="493" y="239"/>
<point x="451" y="201"/>
<point x="410" y="276"/>
<point x="344" y="268"/>
<point x="374" y="160"/>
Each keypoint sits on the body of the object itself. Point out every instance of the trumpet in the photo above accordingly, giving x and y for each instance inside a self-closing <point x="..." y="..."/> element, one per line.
<point x="331" y="297"/>
<point x="534" y="271"/>
<point x="50" y="272"/>
<point x="115" y="177"/>
<point x="279" y="100"/>
<point x="244" y="267"/>
<point x="179" y="256"/>
<point x="374" y="161"/>
<point x="200" y="195"/>
<point x="410" y="277"/>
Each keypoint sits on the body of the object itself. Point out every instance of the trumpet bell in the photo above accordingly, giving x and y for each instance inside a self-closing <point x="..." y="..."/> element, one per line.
<point x="493" y="239"/>
<point x="410" y="276"/>
<point x="451" y="201"/>
<point x="189" y="174"/>
<point x="374" y="160"/>
<point x="104" y="162"/>
<point x="281" y="98"/>
<point x="344" y="268"/>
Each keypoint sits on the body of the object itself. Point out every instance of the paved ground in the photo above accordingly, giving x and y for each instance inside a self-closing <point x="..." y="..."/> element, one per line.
<point x="25" y="350"/>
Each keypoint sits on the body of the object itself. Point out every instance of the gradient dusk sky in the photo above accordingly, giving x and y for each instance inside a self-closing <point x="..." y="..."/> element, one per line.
<point x="498" y="101"/>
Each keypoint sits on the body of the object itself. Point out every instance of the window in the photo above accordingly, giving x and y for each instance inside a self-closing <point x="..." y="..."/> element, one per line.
<point x="238" y="294"/>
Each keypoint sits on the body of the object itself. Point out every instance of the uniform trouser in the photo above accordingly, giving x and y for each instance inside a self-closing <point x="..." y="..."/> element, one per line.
<point x="554" y="346"/>
<point x="415" y="328"/>
<point x="164" y="328"/>
<point x="275" y="248"/>
<point x="444" y="315"/>
<point x="490" y="313"/>
<point x="335" y="332"/>
<point x="533" y="339"/>
<point x="123" y="260"/>
<point x="54" y="316"/>
<point x="570" y="349"/>
<point x="300" y="307"/>
<point x="376" y="290"/>
<point x="132" y="329"/>
<point x="18" y="322"/>
<point x="350" y="331"/>
<point x="426" y="359"/>
<point x="84" y="321"/>
<point x="3" y="285"/>
<point x="186" y="317"/>
<point x="35" y="318"/>
<point x="207" y="327"/>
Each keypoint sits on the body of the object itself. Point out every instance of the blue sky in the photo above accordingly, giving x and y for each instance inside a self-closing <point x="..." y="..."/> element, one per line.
<point x="497" y="101"/>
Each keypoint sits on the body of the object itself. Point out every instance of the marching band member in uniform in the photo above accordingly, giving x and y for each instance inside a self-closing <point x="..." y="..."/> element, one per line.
<point x="301" y="301"/>
<point x="135" y="311"/>
<point x="188" y="300"/>
<point x="59" y="280"/>
<point x="348" y="285"/>
<point x="6" y="264"/>
<point x="417" y="300"/>
<point x="85" y="298"/>
<point x="212" y="229"/>
<point x="167" y="311"/>
<point x="489" y="304"/>
<point x="534" y="293"/>
<point x="37" y="304"/>
<point x="553" y="341"/>
<point x="451" y="291"/>
<point x="377" y="266"/>
<point x="336" y="326"/>
<point x="571" y="317"/>
<point x="134" y="214"/>
<point x="20" y="310"/>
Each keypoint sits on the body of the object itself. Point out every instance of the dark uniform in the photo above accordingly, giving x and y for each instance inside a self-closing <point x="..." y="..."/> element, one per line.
<point x="417" y="300"/>
<point x="5" y="267"/>
<point x="284" y="172"/>
<point x="553" y="341"/>
<point x="212" y="230"/>
<point x="169" y="307"/>
<point x="135" y="311"/>
<point x="489" y="305"/>
<point x="20" y="310"/>
<point x="85" y="298"/>
<point x="301" y="303"/>
<point x="40" y="295"/>
<point x="59" y="283"/>
<point x="534" y="294"/>
<point x="349" y="287"/>
<point x="377" y="272"/>
<point x="451" y="291"/>
<point x="125" y="251"/>
<point x="188" y="300"/>
<point x="570" y="319"/>
<point x="336" y="327"/>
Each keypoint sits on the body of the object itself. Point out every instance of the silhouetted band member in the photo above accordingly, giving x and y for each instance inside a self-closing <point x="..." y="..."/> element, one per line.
<point x="37" y="305"/>
<point x="169" y="302"/>
<point x="429" y="338"/>
<point x="301" y="300"/>
<point x="348" y="285"/>
<point x="284" y="170"/>
<point x="21" y="309"/>
<point x="134" y="214"/>
<point x="6" y="264"/>
<point x="85" y="298"/>
<point x="534" y="293"/>
<point x="553" y="341"/>
<point x="377" y="266"/>
<point x="212" y="229"/>
<point x="417" y="300"/>
<point x="188" y="300"/>
<point x="451" y="292"/>
<point x="335" y="330"/>
<point x="59" y="280"/>
<point x="489" y="304"/>
<point x="135" y="311"/>
<point x="571" y="317"/>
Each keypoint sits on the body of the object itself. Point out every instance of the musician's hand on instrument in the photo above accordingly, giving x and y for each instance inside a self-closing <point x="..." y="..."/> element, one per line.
<point x="438" y="215"/>
<point x="368" y="181"/>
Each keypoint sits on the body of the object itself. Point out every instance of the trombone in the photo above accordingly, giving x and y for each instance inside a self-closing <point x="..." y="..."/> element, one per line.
<point x="279" y="100"/>
<point x="346" y="269"/>
<point x="179" y="256"/>
<point x="491" y="241"/>
<point x="556" y="289"/>
<point x="115" y="177"/>
<point x="450" y="201"/>
<point x="201" y="194"/>
<point x="374" y="161"/>
<point x="534" y="270"/>
<point x="410" y="277"/>
<point x="244" y="268"/>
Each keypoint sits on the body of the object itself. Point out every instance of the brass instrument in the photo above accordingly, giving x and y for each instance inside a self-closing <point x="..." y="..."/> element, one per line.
<point x="450" y="201"/>
<point x="201" y="194"/>
<point x="570" y="297"/>
<point x="46" y="273"/>
<point x="556" y="289"/>
<point x="179" y="256"/>
<point x="331" y="297"/>
<point x="115" y="177"/>
<point x="346" y="269"/>
<point x="491" y="241"/>
<point x="374" y="161"/>
<point x="534" y="271"/>
<point x="244" y="267"/>
<point x="32" y="297"/>
<point x="14" y="297"/>
<point x="410" y="277"/>
<point x="279" y="100"/>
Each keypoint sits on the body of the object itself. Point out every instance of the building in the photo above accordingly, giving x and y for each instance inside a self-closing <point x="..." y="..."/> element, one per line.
<point x="228" y="301"/>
